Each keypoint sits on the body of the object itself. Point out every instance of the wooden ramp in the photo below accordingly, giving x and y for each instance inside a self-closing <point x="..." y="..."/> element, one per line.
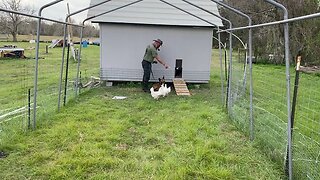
<point x="181" y="87"/>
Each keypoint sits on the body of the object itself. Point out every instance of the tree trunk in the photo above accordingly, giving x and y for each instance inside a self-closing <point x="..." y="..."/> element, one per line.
<point x="14" y="36"/>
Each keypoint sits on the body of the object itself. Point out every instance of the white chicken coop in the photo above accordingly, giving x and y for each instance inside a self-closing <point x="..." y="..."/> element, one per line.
<point x="125" y="33"/>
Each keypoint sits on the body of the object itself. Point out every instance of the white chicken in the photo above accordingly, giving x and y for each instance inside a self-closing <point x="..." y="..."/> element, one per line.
<point x="155" y="94"/>
<point x="163" y="91"/>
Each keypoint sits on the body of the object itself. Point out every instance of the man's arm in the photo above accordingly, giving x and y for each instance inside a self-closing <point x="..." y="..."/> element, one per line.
<point x="161" y="61"/>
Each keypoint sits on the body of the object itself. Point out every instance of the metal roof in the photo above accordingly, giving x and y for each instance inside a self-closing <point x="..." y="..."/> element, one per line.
<point x="155" y="12"/>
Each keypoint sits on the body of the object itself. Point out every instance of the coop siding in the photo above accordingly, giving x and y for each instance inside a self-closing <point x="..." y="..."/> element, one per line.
<point x="114" y="74"/>
<point x="123" y="47"/>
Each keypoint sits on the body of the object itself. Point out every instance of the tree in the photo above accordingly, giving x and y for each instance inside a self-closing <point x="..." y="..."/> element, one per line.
<point x="90" y="31"/>
<point x="270" y="40"/>
<point x="11" y="21"/>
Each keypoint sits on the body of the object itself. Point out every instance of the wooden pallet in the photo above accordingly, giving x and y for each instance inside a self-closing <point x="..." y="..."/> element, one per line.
<point x="181" y="87"/>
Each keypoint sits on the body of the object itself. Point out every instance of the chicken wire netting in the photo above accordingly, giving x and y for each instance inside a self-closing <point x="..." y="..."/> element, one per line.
<point x="17" y="77"/>
<point x="306" y="134"/>
<point x="270" y="114"/>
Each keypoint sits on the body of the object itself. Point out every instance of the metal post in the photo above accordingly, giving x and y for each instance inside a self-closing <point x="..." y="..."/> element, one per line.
<point x="225" y="62"/>
<point x="64" y="47"/>
<point x="286" y="39"/>
<point x="65" y="84"/>
<point x="37" y="17"/>
<point x="294" y="101"/>
<point x="230" y="41"/>
<point x="221" y="69"/>
<point x="250" y="62"/>
<point x="221" y="65"/>
<point x="251" y="84"/>
<point x="29" y="108"/>
<point x="230" y="50"/>
<point x="62" y="64"/>
<point x="300" y="18"/>
<point x="78" y="65"/>
<point x="37" y="62"/>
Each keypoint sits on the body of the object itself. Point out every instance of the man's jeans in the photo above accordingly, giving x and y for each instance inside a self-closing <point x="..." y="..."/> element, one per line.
<point x="146" y="74"/>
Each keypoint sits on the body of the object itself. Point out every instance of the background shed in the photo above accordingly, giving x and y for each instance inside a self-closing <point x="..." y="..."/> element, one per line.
<point x="125" y="33"/>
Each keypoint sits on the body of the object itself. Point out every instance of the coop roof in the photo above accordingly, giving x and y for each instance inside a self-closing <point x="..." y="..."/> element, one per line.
<point x="155" y="12"/>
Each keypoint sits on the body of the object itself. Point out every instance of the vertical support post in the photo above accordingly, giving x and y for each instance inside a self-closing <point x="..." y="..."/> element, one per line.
<point x="47" y="49"/>
<point x="230" y="72"/>
<point x="221" y="68"/>
<point x="251" y="84"/>
<point x="77" y="90"/>
<point x="37" y="62"/>
<point x="230" y="43"/>
<point x="66" y="79"/>
<point x="250" y="62"/>
<point x="64" y="40"/>
<point x="294" y="102"/>
<point x="29" y="109"/>
<point x="79" y="60"/>
<point x="62" y="63"/>
<point x="225" y="63"/>
<point x="286" y="44"/>
<point x="79" y="80"/>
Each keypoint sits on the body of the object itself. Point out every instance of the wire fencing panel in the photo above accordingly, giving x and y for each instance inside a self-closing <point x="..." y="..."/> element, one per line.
<point x="239" y="96"/>
<point x="16" y="76"/>
<point x="270" y="109"/>
<point x="270" y="115"/>
<point x="49" y="77"/>
<point x="89" y="71"/>
<point x="306" y="134"/>
<point x="269" y="106"/>
<point x="48" y="81"/>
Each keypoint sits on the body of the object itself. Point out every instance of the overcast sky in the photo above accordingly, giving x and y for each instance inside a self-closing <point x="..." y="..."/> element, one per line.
<point x="59" y="10"/>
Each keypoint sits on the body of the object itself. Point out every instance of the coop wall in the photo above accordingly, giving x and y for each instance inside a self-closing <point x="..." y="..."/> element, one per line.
<point x="123" y="47"/>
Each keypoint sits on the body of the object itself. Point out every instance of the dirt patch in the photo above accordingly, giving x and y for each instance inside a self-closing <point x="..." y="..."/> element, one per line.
<point x="3" y="154"/>
<point x="122" y="146"/>
<point x="312" y="69"/>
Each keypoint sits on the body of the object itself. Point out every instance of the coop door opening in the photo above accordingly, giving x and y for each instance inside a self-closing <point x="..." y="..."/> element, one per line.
<point x="178" y="69"/>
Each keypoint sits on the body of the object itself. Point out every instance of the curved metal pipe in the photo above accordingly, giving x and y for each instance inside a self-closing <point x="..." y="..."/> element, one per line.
<point x="37" y="17"/>
<point x="81" y="37"/>
<point x="64" y="46"/>
<point x="37" y="62"/>
<point x="230" y="53"/>
<point x="287" y="59"/>
<point x="250" y="62"/>
<point x="224" y="47"/>
<point x="221" y="68"/>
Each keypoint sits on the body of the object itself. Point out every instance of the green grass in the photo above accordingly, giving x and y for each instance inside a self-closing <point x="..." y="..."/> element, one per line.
<point x="270" y="117"/>
<point x="137" y="138"/>
<point x="95" y="137"/>
<point x="17" y="75"/>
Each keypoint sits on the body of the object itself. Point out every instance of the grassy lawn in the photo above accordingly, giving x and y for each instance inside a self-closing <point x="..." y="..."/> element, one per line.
<point x="96" y="137"/>
<point x="270" y="116"/>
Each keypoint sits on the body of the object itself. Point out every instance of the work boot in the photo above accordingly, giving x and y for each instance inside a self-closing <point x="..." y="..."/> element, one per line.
<point x="145" y="87"/>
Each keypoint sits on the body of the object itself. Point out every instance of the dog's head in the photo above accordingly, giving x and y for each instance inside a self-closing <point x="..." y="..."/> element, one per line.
<point x="162" y="81"/>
